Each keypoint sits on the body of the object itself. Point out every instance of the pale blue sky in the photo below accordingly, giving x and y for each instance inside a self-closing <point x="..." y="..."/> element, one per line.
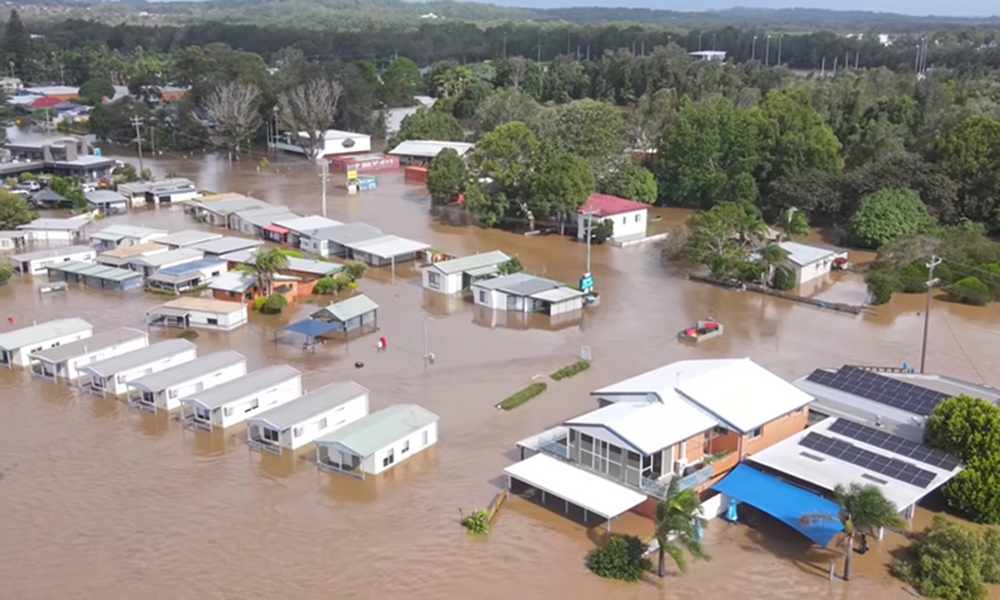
<point x="953" y="8"/>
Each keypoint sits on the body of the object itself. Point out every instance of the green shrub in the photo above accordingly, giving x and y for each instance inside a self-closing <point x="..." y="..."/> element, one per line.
<point x="27" y="177"/>
<point x="602" y="231"/>
<point x="881" y="284"/>
<point x="571" y="370"/>
<point x="477" y="522"/>
<point x="784" y="279"/>
<point x="989" y="274"/>
<point x="189" y="334"/>
<point x="621" y="559"/>
<point x="970" y="291"/>
<point x="519" y="398"/>
<point x="751" y="272"/>
<point x="332" y="285"/>
<point x="258" y="303"/>
<point x="274" y="304"/>
<point x="6" y="272"/>
<point x="354" y="269"/>
<point x="510" y="267"/>
<point x="913" y="278"/>
<point x="292" y="253"/>
<point x="887" y="215"/>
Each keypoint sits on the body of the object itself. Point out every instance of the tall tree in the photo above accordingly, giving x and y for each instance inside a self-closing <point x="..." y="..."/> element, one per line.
<point x="794" y="137"/>
<point x="652" y="115"/>
<point x="793" y="223"/>
<point x="231" y="115"/>
<point x="560" y="183"/>
<point x="401" y="83"/>
<point x="594" y="131"/>
<point x="310" y="108"/>
<point x="17" y="45"/>
<point x="505" y="155"/>
<point x="678" y="519"/>
<point x="429" y="125"/>
<point x="446" y="176"/>
<point x="971" y="155"/>
<point x="265" y="266"/>
<point x="631" y="181"/>
<point x="863" y="510"/>
<point x="14" y="211"/>
<point x="504" y="106"/>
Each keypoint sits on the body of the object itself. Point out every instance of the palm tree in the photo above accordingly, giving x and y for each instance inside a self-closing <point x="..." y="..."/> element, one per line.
<point x="678" y="520"/>
<point x="863" y="510"/>
<point x="771" y="257"/>
<point x="264" y="267"/>
<point x="793" y="223"/>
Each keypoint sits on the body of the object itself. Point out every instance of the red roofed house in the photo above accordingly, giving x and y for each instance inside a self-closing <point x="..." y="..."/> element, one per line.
<point x="629" y="217"/>
<point x="45" y="102"/>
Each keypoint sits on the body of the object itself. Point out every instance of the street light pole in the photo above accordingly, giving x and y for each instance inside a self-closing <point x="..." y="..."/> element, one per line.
<point x="590" y="234"/>
<point x="753" y="49"/>
<point x="935" y="261"/>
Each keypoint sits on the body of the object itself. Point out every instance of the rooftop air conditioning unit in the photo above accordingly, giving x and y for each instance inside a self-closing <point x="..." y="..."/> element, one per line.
<point x="679" y="465"/>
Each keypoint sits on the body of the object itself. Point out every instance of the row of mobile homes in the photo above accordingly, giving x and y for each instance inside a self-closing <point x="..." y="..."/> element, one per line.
<point x="296" y="228"/>
<point x="12" y="240"/>
<point x="115" y="236"/>
<point x="225" y="245"/>
<point x="198" y="313"/>
<point x="311" y="416"/>
<point x="122" y="256"/>
<point x="95" y="275"/>
<point x="167" y="191"/>
<point x="38" y="262"/>
<point x="112" y="376"/>
<point x="188" y="237"/>
<point x="217" y="212"/>
<point x="164" y="390"/>
<point x="65" y="231"/>
<point x="252" y="221"/>
<point x="64" y="360"/>
<point x="107" y="201"/>
<point x="375" y="443"/>
<point x="187" y="276"/>
<point x="151" y="263"/>
<point x="16" y="346"/>
<point x="238" y="400"/>
<point x="457" y="275"/>
<point x="526" y="293"/>
<point x="196" y="207"/>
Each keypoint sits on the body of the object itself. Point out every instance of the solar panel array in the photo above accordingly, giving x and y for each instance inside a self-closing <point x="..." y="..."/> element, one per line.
<point x="886" y="390"/>
<point x="894" y="444"/>
<point x="890" y="467"/>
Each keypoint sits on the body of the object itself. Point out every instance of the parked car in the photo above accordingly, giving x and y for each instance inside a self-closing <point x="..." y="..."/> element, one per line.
<point x="29" y="186"/>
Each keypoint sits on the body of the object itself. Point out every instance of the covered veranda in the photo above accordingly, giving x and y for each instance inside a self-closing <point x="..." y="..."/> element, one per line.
<point x="594" y="494"/>
<point x="348" y="315"/>
<point x="310" y="328"/>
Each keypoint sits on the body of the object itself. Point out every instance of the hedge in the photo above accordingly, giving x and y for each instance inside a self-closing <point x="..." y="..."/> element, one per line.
<point x="570" y="370"/>
<point x="970" y="291"/>
<point x="519" y="398"/>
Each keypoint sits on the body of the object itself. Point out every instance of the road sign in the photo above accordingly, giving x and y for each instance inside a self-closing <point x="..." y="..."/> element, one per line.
<point x="97" y="152"/>
<point x="586" y="282"/>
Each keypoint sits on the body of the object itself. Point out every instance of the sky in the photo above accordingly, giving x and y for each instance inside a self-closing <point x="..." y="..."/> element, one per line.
<point x="954" y="8"/>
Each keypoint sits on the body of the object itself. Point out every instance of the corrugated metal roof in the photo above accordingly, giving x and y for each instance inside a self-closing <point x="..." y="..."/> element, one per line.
<point x="233" y="281"/>
<point x="225" y="207"/>
<point x="387" y="246"/>
<point x="50" y="224"/>
<point x="170" y="256"/>
<point x="138" y="358"/>
<point x="347" y="233"/>
<point x="429" y="148"/>
<point x="28" y="336"/>
<point x="225" y="245"/>
<point x="133" y="250"/>
<point x="200" y="367"/>
<point x="253" y="381"/>
<point x="94" y="343"/>
<point x="308" y="223"/>
<point x="53" y="253"/>
<point x="117" y="232"/>
<point x="188" y="237"/>
<point x="345" y="310"/>
<point x="99" y="271"/>
<point x="380" y="429"/>
<point x="185" y="304"/>
<point x="468" y="263"/>
<point x="519" y="284"/>
<point x="312" y="404"/>
<point x="186" y="268"/>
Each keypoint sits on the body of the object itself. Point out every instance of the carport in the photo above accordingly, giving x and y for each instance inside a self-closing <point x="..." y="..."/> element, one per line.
<point x="310" y="328"/>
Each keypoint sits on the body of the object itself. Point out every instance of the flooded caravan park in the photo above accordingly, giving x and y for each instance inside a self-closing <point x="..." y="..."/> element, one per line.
<point x="99" y="500"/>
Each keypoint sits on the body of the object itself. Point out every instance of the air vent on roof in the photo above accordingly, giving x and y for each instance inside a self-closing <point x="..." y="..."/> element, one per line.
<point x="875" y="479"/>
<point x="812" y="456"/>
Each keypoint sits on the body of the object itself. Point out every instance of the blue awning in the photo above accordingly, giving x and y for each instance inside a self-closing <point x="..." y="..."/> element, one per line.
<point x="783" y="501"/>
<point x="310" y="327"/>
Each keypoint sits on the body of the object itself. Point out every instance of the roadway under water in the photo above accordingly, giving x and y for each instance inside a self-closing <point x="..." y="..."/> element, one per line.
<point x="102" y="501"/>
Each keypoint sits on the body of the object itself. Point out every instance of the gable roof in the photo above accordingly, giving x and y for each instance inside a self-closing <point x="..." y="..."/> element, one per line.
<point x="366" y="436"/>
<point x="807" y="254"/>
<point x="468" y="263"/>
<point x="138" y="358"/>
<point x="345" y="310"/>
<point x="387" y="246"/>
<point x="26" y="336"/>
<point x="239" y="388"/>
<point x="102" y="340"/>
<point x="651" y="425"/>
<point x="312" y="404"/>
<point x="604" y="205"/>
<point x="519" y="284"/>
<point x="200" y="367"/>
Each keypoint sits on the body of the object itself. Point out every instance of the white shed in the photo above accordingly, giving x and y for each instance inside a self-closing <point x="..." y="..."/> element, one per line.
<point x="113" y="236"/>
<point x="55" y="230"/>
<point x="456" y="275"/>
<point x="238" y="400"/>
<point x="809" y="261"/>
<point x="334" y="142"/>
<point x="62" y="361"/>
<point x="304" y="419"/>
<point x="379" y="441"/>
<point x="164" y="390"/>
<point x="112" y="376"/>
<point x="17" y="345"/>
<point x="201" y="313"/>
<point x="526" y="293"/>
<point x="35" y="263"/>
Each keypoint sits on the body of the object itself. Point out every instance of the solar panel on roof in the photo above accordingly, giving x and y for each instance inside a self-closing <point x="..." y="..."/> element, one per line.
<point x="866" y="459"/>
<point x="894" y="444"/>
<point x="886" y="390"/>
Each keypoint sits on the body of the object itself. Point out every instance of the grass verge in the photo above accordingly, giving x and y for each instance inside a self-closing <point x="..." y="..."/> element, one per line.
<point x="570" y="370"/>
<point x="519" y="398"/>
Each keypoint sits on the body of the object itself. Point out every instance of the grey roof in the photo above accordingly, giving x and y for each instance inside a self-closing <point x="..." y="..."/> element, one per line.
<point x="347" y="233"/>
<point x="42" y="332"/>
<point x="171" y="256"/>
<point x="312" y="404"/>
<point x="97" y="270"/>
<point x="117" y="232"/>
<point x="807" y="254"/>
<point x="307" y="223"/>
<point x="233" y="281"/>
<point x="50" y="224"/>
<point x="468" y="263"/>
<point x="138" y="358"/>
<point x="429" y="148"/>
<point x="188" y="237"/>
<point x="315" y="267"/>
<point x="262" y="217"/>
<point x="236" y="389"/>
<point x="52" y="253"/>
<point x="225" y="245"/>
<point x="366" y="436"/>
<point x="100" y="341"/>
<point x="202" y="366"/>
<point x="345" y="310"/>
<point x="47" y="195"/>
<point x="225" y="207"/>
<point x="519" y="284"/>
<point x="105" y="197"/>
<point x="141" y="187"/>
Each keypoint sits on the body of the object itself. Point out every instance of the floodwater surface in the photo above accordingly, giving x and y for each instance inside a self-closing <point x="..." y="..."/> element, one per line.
<point x="102" y="501"/>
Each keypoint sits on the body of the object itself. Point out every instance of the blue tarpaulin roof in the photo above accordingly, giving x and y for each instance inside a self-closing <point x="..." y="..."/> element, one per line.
<point x="783" y="501"/>
<point x="311" y="327"/>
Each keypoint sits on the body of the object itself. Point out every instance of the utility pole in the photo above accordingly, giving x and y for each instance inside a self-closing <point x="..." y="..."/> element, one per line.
<point x="505" y="44"/>
<point x="767" y="51"/>
<point x="753" y="49"/>
<point x="935" y="261"/>
<point x="539" y="45"/>
<point x="590" y="234"/>
<point x="136" y="122"/>
<point x="152" y="139"/>
<point x="324" y="166"/>
<point x="779" y="49"/>
<point x="699" y="42"/>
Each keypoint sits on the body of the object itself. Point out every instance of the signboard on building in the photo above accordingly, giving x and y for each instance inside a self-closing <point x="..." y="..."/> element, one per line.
<point x="586" y="282"/>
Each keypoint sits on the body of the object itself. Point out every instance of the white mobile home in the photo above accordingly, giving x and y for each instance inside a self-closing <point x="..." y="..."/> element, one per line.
<point x="35" y="263"/>
<point x="63" y="361"/>
<point x="332" y="241"/>
<point x="202" y="313"/>
<point x="525" y="293"/>
<point x="226" y="245"/>
<point x="107" y="201"/>
<point x="17" y="345"/>
<point x="188" y="237"/>
<point x="151" y="263"/>
<point x="456" y="275"/>
<point x="55" y="230"/>
<point x="217" y="212"/>
<point x="114" y="236"/>
<point x="187" y="276"/>
<point x="304" y="419"/>
<point x="252" y="221"/>
<point x="112" y="376"/>
<point x="379" y="441"/>
<point x="121" y="257"/>
<point x="164" y="390"/>
<point x="238" y="400"/>
<point x="12" y="240"/>
<point x="297" y="227"/>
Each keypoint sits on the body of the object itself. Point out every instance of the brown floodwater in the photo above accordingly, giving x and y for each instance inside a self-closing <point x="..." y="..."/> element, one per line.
<point x="102" y="501"/>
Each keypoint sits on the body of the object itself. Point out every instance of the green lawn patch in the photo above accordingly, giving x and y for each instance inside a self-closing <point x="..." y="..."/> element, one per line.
<point x="519" y="398"/>
<point x="570" y="370"/>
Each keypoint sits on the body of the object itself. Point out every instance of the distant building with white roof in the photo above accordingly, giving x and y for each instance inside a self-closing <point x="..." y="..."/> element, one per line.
<point x="809" y="262"/>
